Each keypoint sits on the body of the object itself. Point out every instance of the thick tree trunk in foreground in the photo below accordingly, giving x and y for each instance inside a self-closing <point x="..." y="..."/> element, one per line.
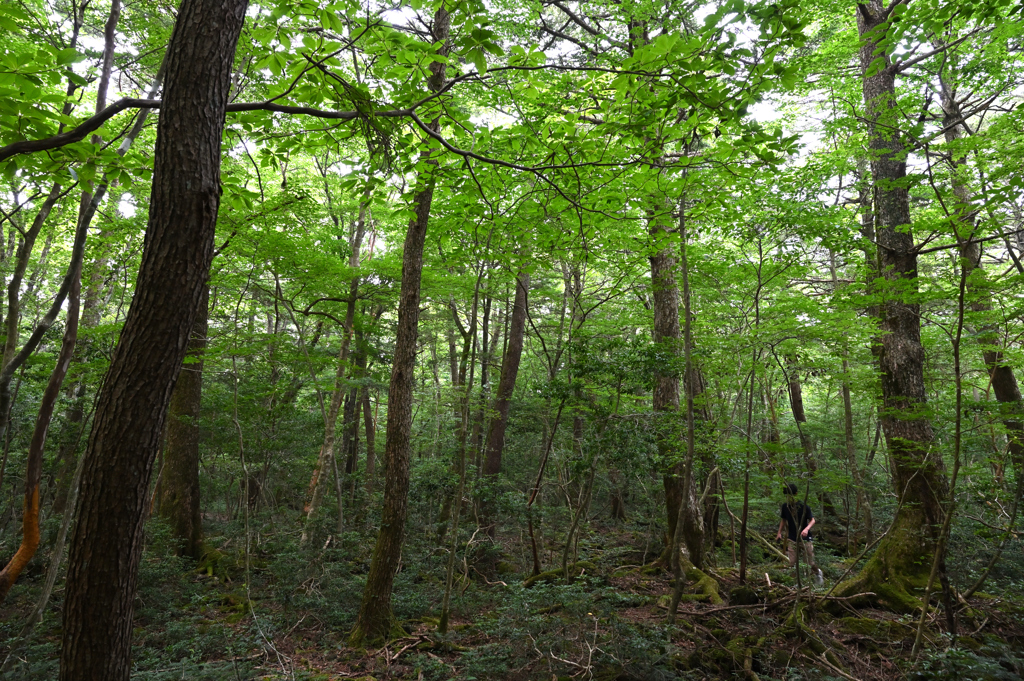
<point x="373" y="623"/>
<point x="506" y="387"/>
<point x="903" y="558"/>
<point x="179" y="478"/>
<point x="132" y="404"/>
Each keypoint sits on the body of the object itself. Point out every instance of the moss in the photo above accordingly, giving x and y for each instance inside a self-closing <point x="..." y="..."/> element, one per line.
<point x="665" y="602"/>
<point x="358" y="637"/>
<point x="552" y="575"/>
<point x="897" y="571"/>
<point x="504" y="567"/>
<point x="883" y="629"/>
<point x="743" y="595"/>
<point x="970" y="643"/>
<point x="781" y="658"/>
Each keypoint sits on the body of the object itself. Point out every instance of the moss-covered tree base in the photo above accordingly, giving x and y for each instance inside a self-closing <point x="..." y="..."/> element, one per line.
<point x="361" y="638"/>
<point x="896" y="575"/>
<point x="702" y="583"/>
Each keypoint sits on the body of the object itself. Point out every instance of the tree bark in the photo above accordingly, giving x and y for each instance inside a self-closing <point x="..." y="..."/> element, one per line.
<point x="370" y="429"/>
<point x="179" y="478"/>
<point x="903" y="557"/>
<point x="132" y="405"/>
<point x="373" y="623"/>
<point x="665" y="402"/>
<point x="506" y="387"/>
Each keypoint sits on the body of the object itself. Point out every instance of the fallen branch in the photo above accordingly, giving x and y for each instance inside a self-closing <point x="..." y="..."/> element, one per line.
<point x="758" y="537"/>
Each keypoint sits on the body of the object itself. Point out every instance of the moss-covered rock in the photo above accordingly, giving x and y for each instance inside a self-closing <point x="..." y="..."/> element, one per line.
<point x="552" y="575"/>
<point x="743" y="595"/>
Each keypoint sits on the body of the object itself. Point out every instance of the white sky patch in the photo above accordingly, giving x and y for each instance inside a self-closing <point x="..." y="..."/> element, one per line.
<point x="126" y="207"/>
<point x="765" y="112"/>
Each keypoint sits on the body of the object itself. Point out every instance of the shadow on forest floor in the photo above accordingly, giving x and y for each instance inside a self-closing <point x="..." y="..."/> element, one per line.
<point x="609" y="623"/>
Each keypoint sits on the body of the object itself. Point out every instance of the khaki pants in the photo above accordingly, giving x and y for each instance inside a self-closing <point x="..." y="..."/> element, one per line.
<point x="808" y="553"/>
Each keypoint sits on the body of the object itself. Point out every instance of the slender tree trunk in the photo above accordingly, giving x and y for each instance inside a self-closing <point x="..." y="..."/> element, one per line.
<point x="132" y="405"/>
<point x="1004" y="382"/>
<point x="179" y="477"/>
<point x="863" y="503"/>
<point x="371" y="433"/>
<point x="796" y="403"/>
<point x="327" y="453"/>
<point x="30" y="518"/>
<point x="503" y="396"/>
<point x="903" y="556"/>
<point x="375" y="618"/>
<point x="485" y="382"/>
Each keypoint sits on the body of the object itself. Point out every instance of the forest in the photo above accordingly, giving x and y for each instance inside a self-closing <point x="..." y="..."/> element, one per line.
<point x="452" y="339"/>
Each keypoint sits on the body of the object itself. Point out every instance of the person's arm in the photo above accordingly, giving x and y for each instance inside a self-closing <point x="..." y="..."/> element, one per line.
<point x="808" y="528"/>
<point x="782" y="524"/>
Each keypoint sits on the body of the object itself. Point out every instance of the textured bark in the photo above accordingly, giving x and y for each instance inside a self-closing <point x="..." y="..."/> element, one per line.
<point x="132" y="404"/>
<point x="668" y="427"/>
<point x="903" y="557"/>
<point x="179" y="477"/>
<point x="373" y="623"/>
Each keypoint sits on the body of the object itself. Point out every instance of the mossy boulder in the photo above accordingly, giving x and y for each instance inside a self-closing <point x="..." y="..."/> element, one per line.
<point x="743" y="595"/>
<point x="575" y="569"/>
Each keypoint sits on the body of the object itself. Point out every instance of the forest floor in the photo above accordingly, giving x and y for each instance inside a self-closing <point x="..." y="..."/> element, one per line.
<point x="285" y="614"/>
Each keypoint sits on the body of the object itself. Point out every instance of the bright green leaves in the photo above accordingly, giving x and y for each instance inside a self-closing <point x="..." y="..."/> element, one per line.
<point x="30" y="73"/>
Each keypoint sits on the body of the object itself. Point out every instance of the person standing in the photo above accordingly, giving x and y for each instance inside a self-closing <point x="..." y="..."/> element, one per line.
<point x="796" y="514"/>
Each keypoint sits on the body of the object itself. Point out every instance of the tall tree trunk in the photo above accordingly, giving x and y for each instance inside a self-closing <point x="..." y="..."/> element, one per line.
<point x="668" y="427"/>
<point x="132" y="405"/>
<point x="371" y="455"/>
<point x="506" y="386"/>
<point x="485" y="382"/>
<point x="179" y="478"/>
<point x="903" y="557"/>
<point x="374" y="620"/>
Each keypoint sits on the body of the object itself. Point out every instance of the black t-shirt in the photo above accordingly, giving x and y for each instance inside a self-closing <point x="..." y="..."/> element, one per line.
<point x="799" y="511"/>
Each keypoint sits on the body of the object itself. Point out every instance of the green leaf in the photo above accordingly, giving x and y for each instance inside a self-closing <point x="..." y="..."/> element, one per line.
<point x="476" y="56"/>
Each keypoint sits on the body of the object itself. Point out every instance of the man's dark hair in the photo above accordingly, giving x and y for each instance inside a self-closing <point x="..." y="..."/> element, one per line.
<point x="790" y="488"/>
